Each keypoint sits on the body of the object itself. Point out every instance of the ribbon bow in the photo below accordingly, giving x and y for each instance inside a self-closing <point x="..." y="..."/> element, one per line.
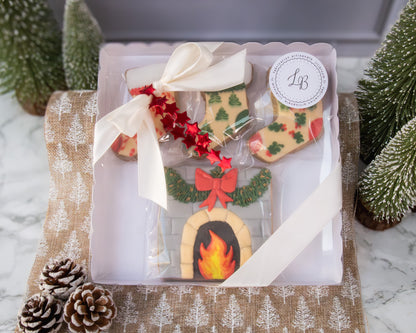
<point x="217" y="186"/>
<point x="188" y="69"/>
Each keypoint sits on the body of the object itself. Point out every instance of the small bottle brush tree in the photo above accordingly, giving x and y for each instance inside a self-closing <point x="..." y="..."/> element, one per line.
<point x="81" y="41"/>
<point x="30" y="53"/>
<point x="387" y="97"/>
<point x="387" y="188"/>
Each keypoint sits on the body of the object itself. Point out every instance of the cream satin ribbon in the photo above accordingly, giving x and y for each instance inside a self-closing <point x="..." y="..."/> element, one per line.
<point x="188" y="69"/>
<point x="292" y="237"/>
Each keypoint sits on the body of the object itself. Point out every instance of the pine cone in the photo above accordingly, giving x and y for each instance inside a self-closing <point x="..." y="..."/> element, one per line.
<point x="61" y="277"/>
<point x="89" y="309"/>
<point x="41" y="314"/>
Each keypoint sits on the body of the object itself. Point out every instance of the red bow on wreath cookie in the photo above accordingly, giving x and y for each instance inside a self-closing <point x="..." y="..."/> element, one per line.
<point x="217" y="186"/>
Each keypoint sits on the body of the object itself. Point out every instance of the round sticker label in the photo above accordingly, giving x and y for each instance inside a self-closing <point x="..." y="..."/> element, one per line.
<point x="298" y="80"/>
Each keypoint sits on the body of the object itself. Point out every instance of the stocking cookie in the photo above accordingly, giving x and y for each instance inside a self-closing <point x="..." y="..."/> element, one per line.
<point x="126" y="147"/>
<point x="292" y="130"/>
<point x="226" y="114"/>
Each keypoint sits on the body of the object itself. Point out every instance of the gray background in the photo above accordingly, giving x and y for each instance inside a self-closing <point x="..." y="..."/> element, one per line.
<point x="354" y="27"/>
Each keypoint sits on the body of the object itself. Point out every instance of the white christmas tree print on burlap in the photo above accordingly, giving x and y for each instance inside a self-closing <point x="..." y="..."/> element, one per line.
<point x="127" y="314"/>
<point x="303" y="316"/>
<point x="318" y="292"/>
<point x="177" y="329"/>
<point x="53" y="192"/>
<point x="142" y="329"/>
<point x="61" y="106"/>
<point x="72" y="248"/>
<point x="163" y="314"/>
<point x="146" y="290"/>
<point x="249" y="292"/>
<point x="88" y="167"/>
<point x="338" y="319"/>
<point x="284" y="292"/>
<point x="59" y="221"/>
<point x="180" y="291"/>
<point x="197" y="316"/>
<point x="214" y="292"/>
<point x="91" y="109"/>
<point x="232" y="318"/>
<point x="268" y="317"/>
<point x="49" y="133"/>
<point x="79" y="192"/>
<point x="76" y="134"/>
<point x="350" y="287"/>
<point x="42" y="248"/>
<point x="61" y="164"/>
<point x="86" y="223"/>
<point x="347" y="228"/>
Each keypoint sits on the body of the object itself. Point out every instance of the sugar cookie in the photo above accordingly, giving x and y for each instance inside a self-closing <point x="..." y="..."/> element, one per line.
<point x="125" y="147"/>
<point x="226" y="114"/>
<point x="291" y="130"/>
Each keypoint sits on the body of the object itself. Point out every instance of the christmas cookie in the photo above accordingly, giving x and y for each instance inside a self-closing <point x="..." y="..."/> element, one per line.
<point x="226" y="114"/>
<point x="292" y="130"/>
<point x="124" y="146"/>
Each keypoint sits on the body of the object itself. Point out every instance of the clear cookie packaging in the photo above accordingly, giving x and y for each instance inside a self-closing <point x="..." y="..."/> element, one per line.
<point x="265" y="159"/>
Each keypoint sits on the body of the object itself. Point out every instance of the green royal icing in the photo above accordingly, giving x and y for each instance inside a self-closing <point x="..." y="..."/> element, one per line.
<point x="276" y="127"/>
<point x="214" y="97"/>
<point x="300" y="119"/>
<point x="275" y="148"/>
<point x="298" y="137"/>
<point x="221" y="114"/>
<point x="233" y="100"/>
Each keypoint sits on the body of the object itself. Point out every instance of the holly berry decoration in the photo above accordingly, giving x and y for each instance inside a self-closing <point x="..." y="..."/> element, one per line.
<point x="40" y="314"/>
<point x="89" y="309"/>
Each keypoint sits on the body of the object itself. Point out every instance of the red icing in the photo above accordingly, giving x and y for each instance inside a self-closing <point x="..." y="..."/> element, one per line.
<point x="217" y="186"/>
<point x="255" y="143"/>
<point x="315" y="128"/>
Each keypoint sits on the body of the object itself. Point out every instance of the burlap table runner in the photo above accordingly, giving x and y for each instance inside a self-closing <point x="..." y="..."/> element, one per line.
<point x="69" y="123"/>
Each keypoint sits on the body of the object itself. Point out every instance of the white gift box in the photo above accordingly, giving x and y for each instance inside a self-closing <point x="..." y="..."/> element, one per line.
<point x="120" y="226"/>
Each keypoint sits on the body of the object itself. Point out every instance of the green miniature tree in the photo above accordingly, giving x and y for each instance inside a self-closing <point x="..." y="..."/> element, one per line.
<point x="387" y="187"/>
<point x="81" y="42"/>
<point x="30" y="53"/>
<point x="387" y="97"/>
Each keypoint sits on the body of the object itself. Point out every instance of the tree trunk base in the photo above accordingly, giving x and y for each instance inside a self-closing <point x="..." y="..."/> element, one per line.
<point x="36" y="109"/>
<point x="366" y="218"/>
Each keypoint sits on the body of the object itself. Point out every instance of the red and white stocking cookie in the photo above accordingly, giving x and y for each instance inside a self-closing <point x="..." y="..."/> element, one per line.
<point x="126" y="147"/>
<point x="292" y="130"/>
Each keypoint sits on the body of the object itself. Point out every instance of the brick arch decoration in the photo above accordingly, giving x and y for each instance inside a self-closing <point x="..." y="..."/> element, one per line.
<point x="198" y="219"/>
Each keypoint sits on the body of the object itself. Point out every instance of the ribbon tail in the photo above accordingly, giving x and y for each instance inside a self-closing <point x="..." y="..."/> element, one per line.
<point x="105" y="134"/>
<point x="151" y="175"/>
<point x="224" y="198"/>
<point x="210" y="201"/>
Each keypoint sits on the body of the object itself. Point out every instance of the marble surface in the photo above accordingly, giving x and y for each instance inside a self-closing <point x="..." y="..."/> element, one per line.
<point x="386" y="259"/>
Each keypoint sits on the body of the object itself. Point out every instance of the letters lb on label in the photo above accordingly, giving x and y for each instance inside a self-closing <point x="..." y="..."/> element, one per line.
<point x="298" y="80"/>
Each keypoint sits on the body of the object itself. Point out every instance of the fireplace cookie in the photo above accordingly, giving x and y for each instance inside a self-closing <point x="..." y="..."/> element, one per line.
<point x="292" y="130"/>
<point x="124" y="146"/>
<point x="226" y="114"/>
<point x="217" y="241"/>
